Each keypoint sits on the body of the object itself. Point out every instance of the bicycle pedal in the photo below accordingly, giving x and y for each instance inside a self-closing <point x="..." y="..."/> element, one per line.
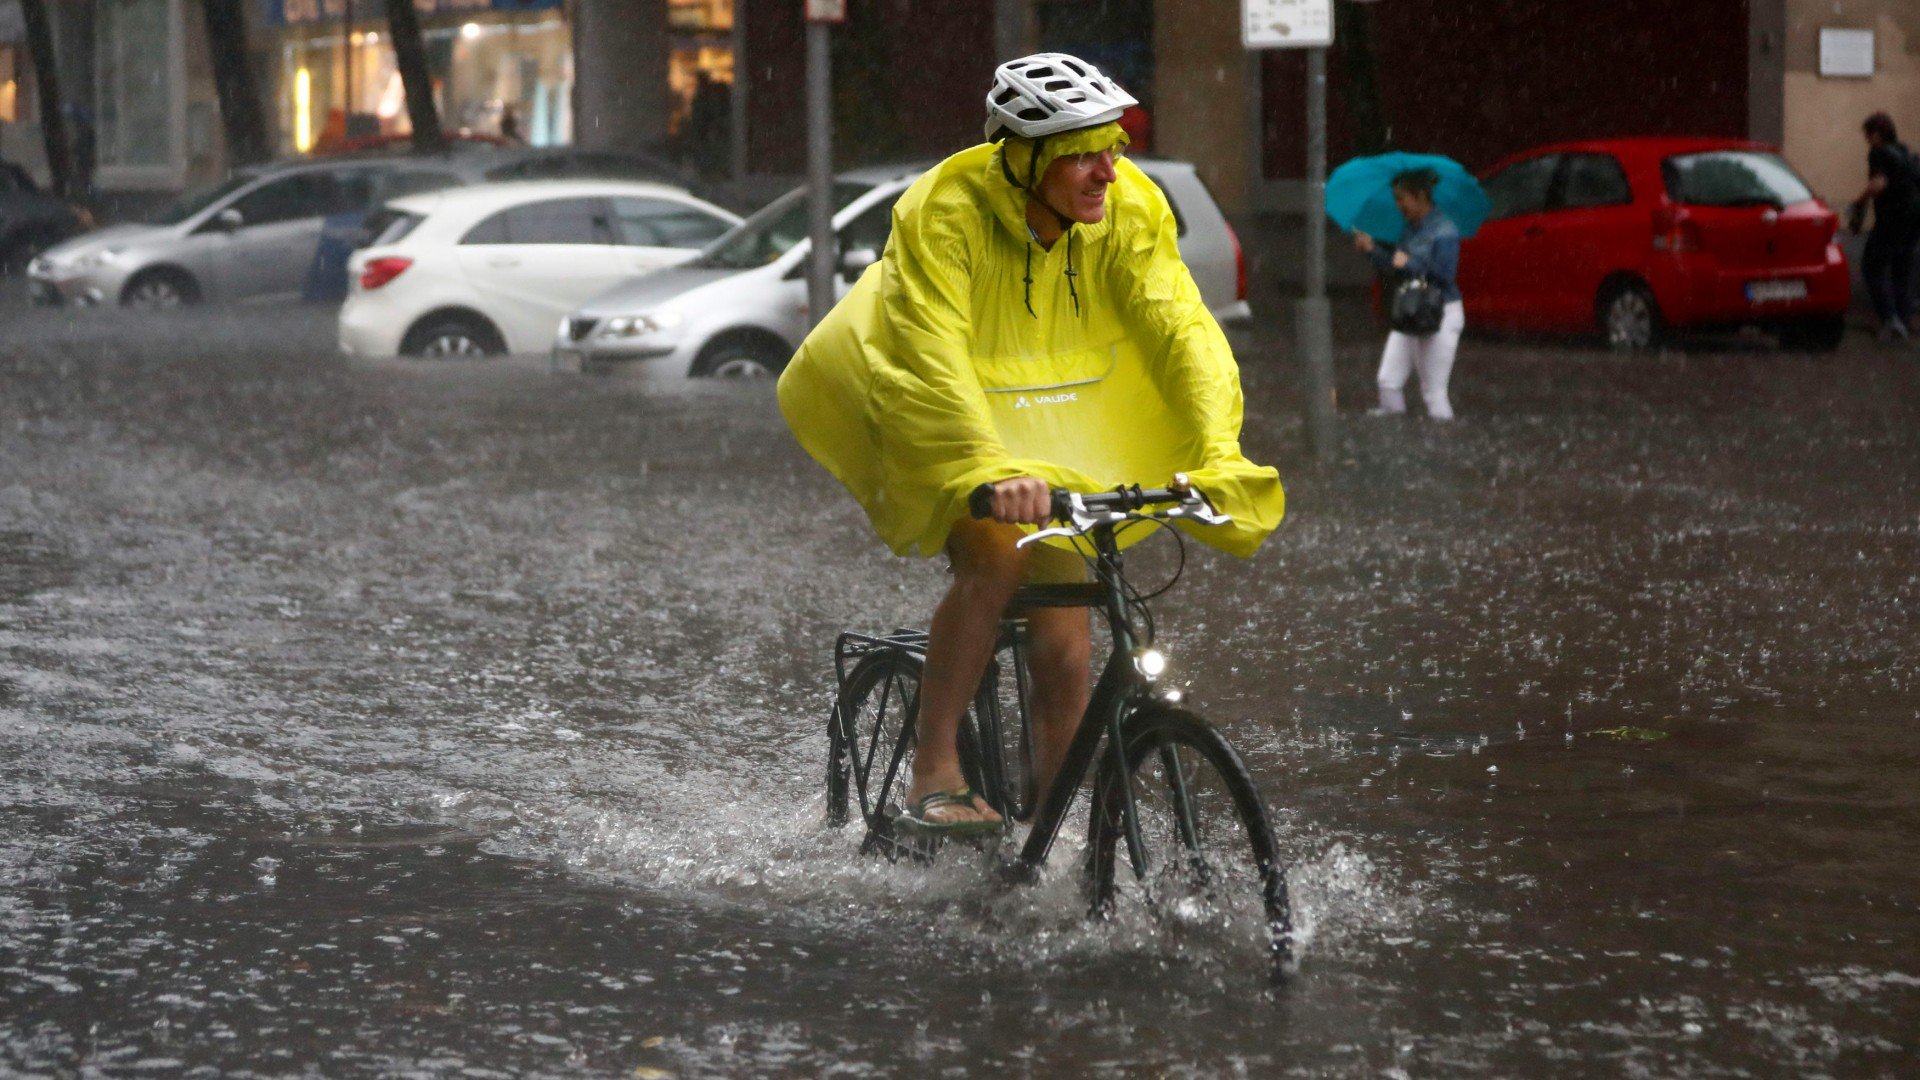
<point x="895" y="837"/>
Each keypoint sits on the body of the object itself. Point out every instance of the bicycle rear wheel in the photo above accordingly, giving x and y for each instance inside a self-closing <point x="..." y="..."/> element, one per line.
<point x="871" y="741"/>
<point x="1208" y="869"/>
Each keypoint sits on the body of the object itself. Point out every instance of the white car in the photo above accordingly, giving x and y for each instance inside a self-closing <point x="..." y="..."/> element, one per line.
<point x="740" y="309"/>
<point x="488" y="269"/>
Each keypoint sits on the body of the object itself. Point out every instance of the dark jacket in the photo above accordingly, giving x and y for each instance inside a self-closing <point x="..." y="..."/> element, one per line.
<point x="1433" y="252"/>
<point x="1897" y="207"/>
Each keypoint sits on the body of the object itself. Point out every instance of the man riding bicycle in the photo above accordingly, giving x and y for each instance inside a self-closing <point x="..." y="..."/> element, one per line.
<point x="1030" y="325"/>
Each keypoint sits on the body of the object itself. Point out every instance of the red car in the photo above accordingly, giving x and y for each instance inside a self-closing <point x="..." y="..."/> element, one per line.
<point x="1641" y="238"/>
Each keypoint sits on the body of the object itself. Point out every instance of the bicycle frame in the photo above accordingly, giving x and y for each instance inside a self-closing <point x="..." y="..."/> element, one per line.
<point x="1119" y="686"/>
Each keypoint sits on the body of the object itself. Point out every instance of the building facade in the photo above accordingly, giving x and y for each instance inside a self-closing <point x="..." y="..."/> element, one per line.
<point x="1823" y="109"/>
<point x="499" y="68"/>
<point x="138" y="85"/>
<point x="722" y="81"/>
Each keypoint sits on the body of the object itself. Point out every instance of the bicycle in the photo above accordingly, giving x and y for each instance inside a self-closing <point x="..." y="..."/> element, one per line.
<point x="1169" y="788"/>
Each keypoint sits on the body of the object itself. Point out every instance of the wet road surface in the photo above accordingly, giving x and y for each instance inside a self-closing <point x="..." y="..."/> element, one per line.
<point x="469" y="720"/>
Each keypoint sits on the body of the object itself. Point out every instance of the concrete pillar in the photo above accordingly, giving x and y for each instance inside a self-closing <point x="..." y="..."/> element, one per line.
<point x="1767" y="70"/>
<point x="1200" y="85"/>
<point x="620" y="73"/>
<point x="1012" y="29"/>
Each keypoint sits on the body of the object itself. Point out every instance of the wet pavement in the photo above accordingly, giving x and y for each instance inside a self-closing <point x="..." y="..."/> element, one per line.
<point x="470" y="720"/>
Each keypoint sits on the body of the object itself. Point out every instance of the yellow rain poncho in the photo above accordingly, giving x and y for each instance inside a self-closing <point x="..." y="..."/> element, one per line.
<point x="932" y="377"/>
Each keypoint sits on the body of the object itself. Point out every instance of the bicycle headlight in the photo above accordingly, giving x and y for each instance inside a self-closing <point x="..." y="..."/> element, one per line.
<point x="1151" y="663"/>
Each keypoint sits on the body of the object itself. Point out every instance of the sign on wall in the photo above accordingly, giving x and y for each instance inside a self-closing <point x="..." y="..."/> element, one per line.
<point x="1846" y="54"/>
<point x="1286" y="24"/>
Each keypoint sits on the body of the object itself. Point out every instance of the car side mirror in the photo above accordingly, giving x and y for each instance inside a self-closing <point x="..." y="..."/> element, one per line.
<point x="229" y="220"/>
<point x="855" y="262"/>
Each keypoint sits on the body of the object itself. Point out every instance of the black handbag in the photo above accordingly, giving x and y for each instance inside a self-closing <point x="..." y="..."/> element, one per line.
<point x="1417" y="307"/>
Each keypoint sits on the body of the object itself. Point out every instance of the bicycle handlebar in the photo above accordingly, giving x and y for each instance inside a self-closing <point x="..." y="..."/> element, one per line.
<point x="1068" y="506"/>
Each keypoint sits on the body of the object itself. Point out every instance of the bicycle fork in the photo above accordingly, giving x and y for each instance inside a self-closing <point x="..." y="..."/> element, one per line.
<point x="1106" y="709"/>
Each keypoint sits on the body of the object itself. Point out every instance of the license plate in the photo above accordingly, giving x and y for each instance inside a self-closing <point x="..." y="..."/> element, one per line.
<point x="1762" y="292"/>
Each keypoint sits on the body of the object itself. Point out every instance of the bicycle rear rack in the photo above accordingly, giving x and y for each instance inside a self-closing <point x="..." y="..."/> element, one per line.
<point x="852" y="646"/>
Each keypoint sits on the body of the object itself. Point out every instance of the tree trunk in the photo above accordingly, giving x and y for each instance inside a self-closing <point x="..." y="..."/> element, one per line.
<point x="53" y="117"/>
<point x="1353" y="41"/>
<point x="240" y="112"/>
<point x="410" y="52"/>
<point x="620" y="51"/>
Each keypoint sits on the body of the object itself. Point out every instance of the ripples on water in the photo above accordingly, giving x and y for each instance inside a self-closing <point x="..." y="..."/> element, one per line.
<point x="449" y="720"/>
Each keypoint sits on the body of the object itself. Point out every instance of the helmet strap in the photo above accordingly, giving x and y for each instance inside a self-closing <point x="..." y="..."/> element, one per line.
<point x="1032" y="186"/>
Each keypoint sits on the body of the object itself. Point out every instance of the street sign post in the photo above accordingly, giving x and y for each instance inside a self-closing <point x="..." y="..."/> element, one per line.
<point x="822" y="16"/>
<point x="1308" y="24"/>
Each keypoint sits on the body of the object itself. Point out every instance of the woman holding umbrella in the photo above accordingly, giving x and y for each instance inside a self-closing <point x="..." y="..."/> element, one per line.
<point x="1408" y="213"/>
<point x="1428" y="249"/>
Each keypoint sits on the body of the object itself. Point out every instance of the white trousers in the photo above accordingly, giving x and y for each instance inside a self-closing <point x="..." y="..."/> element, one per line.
<point x="1430" y="357"/>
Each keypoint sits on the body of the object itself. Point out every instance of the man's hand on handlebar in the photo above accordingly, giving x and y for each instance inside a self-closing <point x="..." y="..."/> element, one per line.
<point x="1022" y="500"/>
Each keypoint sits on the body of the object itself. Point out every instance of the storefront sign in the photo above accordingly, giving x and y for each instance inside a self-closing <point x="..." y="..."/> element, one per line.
<point x="1846" y="54"/>
<point x="1286" y="24"/>
<point x="305" y="12"/>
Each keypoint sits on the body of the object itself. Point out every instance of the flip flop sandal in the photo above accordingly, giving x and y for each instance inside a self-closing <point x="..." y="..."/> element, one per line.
<point x="916" y="816"/>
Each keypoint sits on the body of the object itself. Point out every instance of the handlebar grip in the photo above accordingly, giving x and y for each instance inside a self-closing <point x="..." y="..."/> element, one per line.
<point x="980" y="502"/>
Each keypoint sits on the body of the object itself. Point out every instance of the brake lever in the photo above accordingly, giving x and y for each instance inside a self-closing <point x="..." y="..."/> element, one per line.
<point x="1198" y="511"/>
<point x="1035" y="537"/>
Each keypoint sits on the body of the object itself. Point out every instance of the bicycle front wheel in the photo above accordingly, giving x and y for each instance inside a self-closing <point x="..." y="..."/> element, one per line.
<point x="1203" y="866"/>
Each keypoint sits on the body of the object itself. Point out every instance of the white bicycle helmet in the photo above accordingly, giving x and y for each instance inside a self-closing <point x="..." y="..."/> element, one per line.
<point x="1051" y="92"/>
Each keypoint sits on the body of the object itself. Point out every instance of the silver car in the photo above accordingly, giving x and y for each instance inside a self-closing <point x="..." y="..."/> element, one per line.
<point x="252" y="237"/>
<point x="740" y="309"/>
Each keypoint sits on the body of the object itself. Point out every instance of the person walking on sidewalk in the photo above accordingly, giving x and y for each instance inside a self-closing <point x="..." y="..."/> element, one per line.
<point x="1429" y="249"/>
<point x="1893" y="187"/>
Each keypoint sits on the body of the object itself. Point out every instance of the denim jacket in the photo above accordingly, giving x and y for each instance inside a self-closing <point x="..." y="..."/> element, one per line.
<point x="1433" y="252"/>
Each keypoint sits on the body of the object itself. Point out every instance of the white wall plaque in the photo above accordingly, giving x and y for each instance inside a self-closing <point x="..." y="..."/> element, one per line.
<point x="827" y="11"/>
<point x="1846" y="54"/>
<point x="1286" y="24"/>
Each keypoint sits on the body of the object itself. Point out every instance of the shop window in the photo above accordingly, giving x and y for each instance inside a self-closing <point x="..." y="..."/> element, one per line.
<point x="665" y="223"/>
<point x="700" y="74"/>
<point x="9" y="85"/>
<point x="134" y="90"/>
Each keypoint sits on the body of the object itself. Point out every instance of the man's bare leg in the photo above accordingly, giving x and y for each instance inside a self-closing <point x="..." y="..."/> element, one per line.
<point x="986" y="571"/>
<point x="1060" y="643"/>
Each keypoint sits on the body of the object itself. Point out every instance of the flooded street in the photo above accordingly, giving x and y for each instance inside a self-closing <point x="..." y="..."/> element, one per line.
<point x="467" y="719"/>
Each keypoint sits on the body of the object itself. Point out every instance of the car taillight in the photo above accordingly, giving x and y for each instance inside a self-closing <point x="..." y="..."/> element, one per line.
<point x="1674" y="230"/>
<point x="379" y="271"/>
<point x="1239" y="266"/>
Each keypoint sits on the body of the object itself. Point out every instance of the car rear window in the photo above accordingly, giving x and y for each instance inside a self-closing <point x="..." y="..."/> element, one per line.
<point x="389" y="226"/>
<point x="1732" y="178"/>
<point x="549" y="221"/>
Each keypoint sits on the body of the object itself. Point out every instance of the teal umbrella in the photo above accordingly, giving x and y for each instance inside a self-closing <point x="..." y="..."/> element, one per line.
<point x="1360" y="194"/>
